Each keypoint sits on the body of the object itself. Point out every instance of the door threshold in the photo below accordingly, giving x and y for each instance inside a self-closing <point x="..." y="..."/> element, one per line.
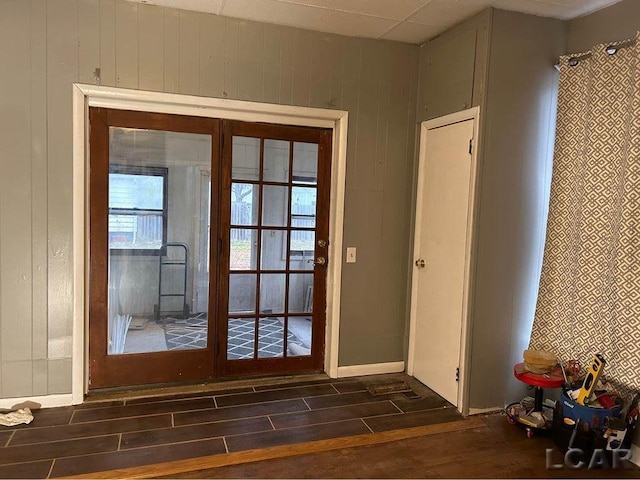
<point x="130" y="393"/>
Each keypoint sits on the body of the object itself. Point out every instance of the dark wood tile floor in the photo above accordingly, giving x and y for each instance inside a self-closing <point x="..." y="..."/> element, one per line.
<point x="110" y="435"/>
<point x="494" y="449"/>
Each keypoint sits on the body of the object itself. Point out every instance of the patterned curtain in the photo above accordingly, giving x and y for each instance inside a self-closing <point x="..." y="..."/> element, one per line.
<point x="589" y="298"/>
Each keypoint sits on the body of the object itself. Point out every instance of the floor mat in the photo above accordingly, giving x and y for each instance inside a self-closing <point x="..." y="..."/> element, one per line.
<point x="191" y="333"/>
<point x="187" y="333"/>
<point x="270" y="342"/>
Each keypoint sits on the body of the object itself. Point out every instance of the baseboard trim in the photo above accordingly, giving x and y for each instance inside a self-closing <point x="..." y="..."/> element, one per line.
<point x="481" y="411"/>
<point x="635" y="454"/>
<point x="370" y="369"/>
<point x="44" y="401"/>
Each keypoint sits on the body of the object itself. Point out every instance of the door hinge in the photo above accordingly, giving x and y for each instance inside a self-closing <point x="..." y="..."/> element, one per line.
<point x="470" y="146"/>
<point x="458" y="374"/>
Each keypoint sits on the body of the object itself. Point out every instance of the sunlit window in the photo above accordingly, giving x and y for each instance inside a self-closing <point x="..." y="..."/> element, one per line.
<point x="137" y="209"/>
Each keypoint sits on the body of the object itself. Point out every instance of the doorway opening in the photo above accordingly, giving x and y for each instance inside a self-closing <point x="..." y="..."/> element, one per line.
<point x="444" y="230"/>
<point x="209" y="248"/>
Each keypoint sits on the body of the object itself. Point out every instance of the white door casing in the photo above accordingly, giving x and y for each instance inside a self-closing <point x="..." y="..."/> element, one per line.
<point x="128" y="99"/>
<point x="443" y="237"/>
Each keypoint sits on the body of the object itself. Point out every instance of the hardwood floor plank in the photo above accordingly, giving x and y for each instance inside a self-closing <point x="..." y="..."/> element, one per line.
<point x="48" y="417"/>
<point x="332" y="414"/>
<point x="272" y="395"/>
<point x="296" y="435"/>
<point x="350" y="387"/>
<point x="67" y="448"/>
<point x="99" y="404"/>
<point x="194" y="432"/>
<point x="413" y="419"/>
<point x="107" y="413"/>
<point x="182" y="396"/>
<point x="136" y="457"/>
<point x="417" y="404"/>
<point x="242" y="411"/>
<point x="26" y="470"/>
<point x="5" y="436"/>
<point x="91" y="429"/>
<point x="208" y="467"/>
<point x="339" y="400"/>
<point x="305" y="383"/>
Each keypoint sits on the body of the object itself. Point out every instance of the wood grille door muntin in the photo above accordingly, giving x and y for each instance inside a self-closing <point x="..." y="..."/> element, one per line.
<point x="119" y="370"/>
<point x="256" y="270"/>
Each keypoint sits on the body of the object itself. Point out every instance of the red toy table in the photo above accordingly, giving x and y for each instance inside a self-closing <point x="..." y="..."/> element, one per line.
<point x="553" y="379"/>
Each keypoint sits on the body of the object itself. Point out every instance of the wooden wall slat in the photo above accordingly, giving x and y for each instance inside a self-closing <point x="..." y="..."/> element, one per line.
<point x="212" y="55"/>
<point x="301" y="79"/>
<point x="126" y="44"/>
<point x="171" y="49"/>
<point x="271" y="63"/>
<point x="107" y="28"/>
<point x="151" y="48"/>
<point x="39" y="188"/>
<point x="189" y="58"/>
<point x="15" y="196"/>
<point x="62" y="71"/>
<point x="88" y="40"/>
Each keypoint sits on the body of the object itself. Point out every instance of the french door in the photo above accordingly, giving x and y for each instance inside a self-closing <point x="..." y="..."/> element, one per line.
<point x="273" y="283"/>
<point x="208" y="248"/>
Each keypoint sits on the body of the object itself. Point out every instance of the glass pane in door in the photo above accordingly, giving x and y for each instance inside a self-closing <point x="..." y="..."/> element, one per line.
<point x="158" y="231"/>
<point x="281" y="281"/>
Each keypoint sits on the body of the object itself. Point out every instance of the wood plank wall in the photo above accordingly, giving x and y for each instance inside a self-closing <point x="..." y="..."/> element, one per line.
<point x="48" y="45"/>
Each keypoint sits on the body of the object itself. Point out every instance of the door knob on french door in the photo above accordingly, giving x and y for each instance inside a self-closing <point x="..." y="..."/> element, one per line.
<point x="320" y="261"/>
<point x="420" y="263"/>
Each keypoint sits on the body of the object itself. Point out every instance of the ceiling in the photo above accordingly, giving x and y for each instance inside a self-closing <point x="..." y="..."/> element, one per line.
<point x="410" y="21"/>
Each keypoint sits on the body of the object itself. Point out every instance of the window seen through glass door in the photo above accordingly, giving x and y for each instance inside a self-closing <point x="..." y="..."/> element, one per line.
<point x="159" y="210"/>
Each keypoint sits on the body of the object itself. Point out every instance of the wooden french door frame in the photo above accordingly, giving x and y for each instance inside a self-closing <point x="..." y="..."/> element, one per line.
<point x="85" y="96"/>
<point x="200" y="364"/>
<point x="288" y="364"/>
<point x="142" y="368"/>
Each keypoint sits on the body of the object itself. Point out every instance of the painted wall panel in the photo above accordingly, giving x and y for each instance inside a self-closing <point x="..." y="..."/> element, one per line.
<point x="514" y="192"/>
<point x="232" y="45"/>
<point x="322" y="50"/>
<point x="88" y="39"/>
<point x="156" y="48"/>
<point x="271" y="62"/>
<point x="212" y="55"/>
<point x="189" y="54"/>
<point x="150" y="48"/>
<point x="39" y="187"/>
<point x="171" y="49"/>
<point x="286" y="64"/>
<point x="250" y="61"/>
<point x="126" y="44"/>
<point x="15" y="196"/>
<point x="107" y="28"/>
<point x="617" y="22"/>
<point x="62" y="71"/>
<point x="453" y="67"/>
<point x="301" y="67"/>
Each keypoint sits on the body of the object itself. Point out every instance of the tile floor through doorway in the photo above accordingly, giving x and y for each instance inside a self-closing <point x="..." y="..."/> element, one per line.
<point x="108" y="435"/>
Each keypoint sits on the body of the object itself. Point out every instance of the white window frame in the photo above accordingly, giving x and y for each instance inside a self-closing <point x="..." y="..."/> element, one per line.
<point x="85" y="96"/>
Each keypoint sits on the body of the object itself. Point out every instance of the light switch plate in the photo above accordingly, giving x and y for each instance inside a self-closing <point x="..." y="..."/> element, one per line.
<point x="351" y="254"/>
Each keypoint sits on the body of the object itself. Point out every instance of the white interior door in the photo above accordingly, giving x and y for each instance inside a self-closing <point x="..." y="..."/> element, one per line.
<point x="442" y="228"/>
